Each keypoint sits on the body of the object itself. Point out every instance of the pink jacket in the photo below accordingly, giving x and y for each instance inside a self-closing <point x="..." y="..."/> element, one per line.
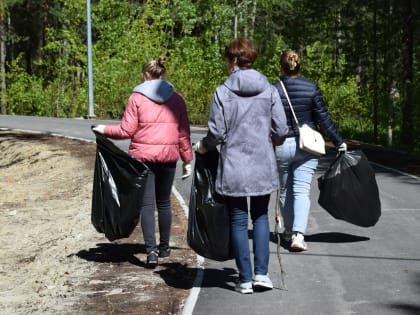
<point x="159" y="132"/>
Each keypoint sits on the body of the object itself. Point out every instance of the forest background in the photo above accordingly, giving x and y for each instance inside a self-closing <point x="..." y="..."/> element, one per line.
<point x="364" y="55"/>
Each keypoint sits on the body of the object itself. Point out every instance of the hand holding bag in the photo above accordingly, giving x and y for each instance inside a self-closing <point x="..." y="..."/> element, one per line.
<point x="310" y="140"/>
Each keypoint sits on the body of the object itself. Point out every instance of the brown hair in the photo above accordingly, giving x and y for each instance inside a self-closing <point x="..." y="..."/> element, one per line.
<point x="155" y="68"/>
<point x="243" y="50"/>
<point x="290" y="62"/>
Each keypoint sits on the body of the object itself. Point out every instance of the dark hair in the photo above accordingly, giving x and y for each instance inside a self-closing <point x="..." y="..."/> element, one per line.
<point x="243" y="50"/>
<point x="156" y="68"/>
<point x="290" y="62"/>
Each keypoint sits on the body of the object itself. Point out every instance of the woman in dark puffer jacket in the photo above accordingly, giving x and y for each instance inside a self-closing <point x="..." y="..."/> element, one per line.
<point x="296" y="167"/>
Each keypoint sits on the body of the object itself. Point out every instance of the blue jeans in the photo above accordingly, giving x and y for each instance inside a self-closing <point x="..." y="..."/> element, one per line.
<point x="157" y="194"/>
<point x="239" y="234"/>
<point x="296" y="169"/>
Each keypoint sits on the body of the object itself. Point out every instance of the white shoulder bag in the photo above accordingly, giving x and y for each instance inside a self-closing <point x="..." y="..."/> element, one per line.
<point x="310" y="140"/>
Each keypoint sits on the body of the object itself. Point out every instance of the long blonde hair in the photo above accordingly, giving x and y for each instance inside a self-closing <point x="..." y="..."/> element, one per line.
<point x="290" y="62"/>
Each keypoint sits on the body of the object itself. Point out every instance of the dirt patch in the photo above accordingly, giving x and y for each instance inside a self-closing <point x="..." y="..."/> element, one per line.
<point x="54" y="261"/>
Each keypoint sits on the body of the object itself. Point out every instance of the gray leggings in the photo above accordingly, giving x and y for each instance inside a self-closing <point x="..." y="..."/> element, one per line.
<point x="157" y="194"/>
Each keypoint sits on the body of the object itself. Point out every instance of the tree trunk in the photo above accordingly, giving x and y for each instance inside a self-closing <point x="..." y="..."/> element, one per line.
<point x="388" y="71"/>
<point x="253" y="17"/>
<point x="338" y="38"/>
<point x="235" y="25"/>
<point x="375" y="76"/>
<point x="407" y="135"/>
<point x="3" y="58"/>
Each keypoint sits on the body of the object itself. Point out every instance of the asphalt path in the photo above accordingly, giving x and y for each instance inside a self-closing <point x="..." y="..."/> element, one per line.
<point x="347" y="269"/>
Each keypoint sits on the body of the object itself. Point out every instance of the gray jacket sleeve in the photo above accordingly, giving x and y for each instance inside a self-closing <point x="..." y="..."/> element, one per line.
<point x="278" y="121"/>
<point x="216" y="123"/>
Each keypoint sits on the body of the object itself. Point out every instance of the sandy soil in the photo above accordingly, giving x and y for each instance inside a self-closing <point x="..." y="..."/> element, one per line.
<point x="53" y="261"/>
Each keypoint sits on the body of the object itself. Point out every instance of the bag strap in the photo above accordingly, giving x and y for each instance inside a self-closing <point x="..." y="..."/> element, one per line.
<point x="290" y="103"/>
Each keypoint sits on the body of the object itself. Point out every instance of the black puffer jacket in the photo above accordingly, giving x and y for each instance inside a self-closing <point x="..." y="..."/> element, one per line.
<point x="309" y="108"/>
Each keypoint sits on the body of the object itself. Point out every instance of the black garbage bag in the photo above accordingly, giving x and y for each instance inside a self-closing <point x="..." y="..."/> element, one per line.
<point x="118" y="189"/>
<point x="348" y="190"/>
<point x="208" y="218"/>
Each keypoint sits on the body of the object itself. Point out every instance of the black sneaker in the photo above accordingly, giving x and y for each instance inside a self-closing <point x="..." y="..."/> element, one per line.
<point x="152" y="259"/>
<point x="164" y="252"/>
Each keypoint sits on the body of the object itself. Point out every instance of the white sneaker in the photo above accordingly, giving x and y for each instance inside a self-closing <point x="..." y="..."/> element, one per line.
<point x="262" y="282"/>
<point x="244" y="287"/>
<point x="298" y="242"/>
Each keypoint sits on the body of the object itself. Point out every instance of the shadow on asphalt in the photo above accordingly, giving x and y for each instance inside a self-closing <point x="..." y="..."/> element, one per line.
<point x="405" y="308"/>
<point x="327" y="237"/>
<point x="221" y="278"/>
<point x="335" y="237"/>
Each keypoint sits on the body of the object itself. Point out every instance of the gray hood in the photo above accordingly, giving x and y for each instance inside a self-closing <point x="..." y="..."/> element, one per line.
<point x="158" y="91"/>
<point x="247" y="82"/>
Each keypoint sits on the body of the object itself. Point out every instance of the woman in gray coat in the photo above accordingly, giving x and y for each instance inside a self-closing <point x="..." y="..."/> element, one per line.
<point x="246" y="118"/>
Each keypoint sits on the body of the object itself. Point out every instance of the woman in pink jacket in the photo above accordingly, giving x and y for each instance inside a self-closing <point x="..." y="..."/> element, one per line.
<point x="156" y="121"/>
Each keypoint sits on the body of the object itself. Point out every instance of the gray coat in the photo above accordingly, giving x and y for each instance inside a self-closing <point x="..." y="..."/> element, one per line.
<point x="245" y="114"/>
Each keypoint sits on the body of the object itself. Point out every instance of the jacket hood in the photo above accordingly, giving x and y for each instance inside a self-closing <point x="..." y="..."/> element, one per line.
<point x="158" y="91"/>
<point x="247" y="82"/>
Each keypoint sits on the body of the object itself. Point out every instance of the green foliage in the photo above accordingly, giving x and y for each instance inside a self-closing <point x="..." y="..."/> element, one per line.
<point x="197" y="81"/>
<point x="128" y="36"/>
<point x="269" y="64"/>
<point x="339" y="92"/>
<point x="26" y="95"/>
<point x="335" y="38"/>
